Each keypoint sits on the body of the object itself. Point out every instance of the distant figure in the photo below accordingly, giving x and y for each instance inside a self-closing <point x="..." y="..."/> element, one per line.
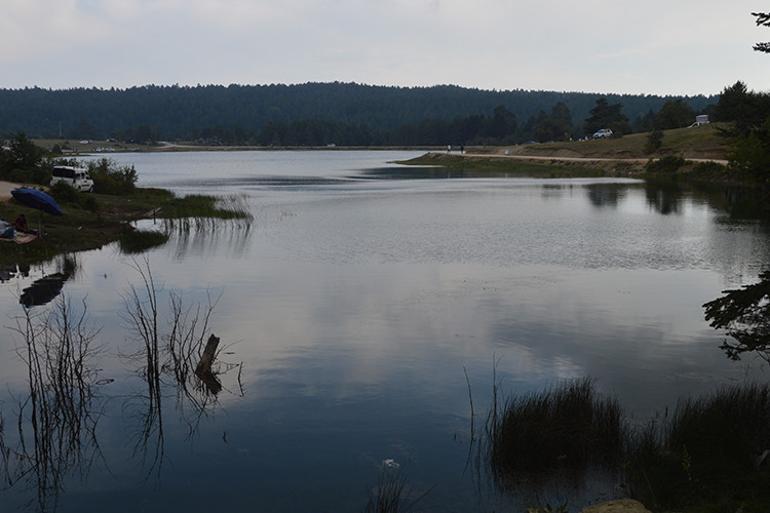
<point x="462" y="149"/>
<point x="21" y="224"/>
<point x="449" y="148"/>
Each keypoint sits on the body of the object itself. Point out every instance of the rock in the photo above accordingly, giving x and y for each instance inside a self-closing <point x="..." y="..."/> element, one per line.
<point x="621" y="506"/>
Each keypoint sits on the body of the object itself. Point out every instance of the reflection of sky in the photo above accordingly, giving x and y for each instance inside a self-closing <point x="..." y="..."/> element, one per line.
<point x="355" y="308"/>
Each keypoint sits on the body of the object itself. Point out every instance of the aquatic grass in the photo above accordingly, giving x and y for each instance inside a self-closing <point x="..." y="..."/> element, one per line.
<point x="133" y="242"/>
<point x="392" y="495"/>
<point x="202" y="206"/>
<point x="568" y="427"/>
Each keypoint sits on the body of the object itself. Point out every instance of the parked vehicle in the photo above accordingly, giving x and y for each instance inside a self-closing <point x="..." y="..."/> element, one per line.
<point x="604" y="133"/>
<point x="73" y="176"/>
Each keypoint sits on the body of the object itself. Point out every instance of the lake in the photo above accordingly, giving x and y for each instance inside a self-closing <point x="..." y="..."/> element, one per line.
<point x="350" y="310"/>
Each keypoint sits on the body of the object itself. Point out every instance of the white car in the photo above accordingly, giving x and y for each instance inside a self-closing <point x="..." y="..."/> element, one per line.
<point x="604" y="133"/>
<point x="75" y="177"/>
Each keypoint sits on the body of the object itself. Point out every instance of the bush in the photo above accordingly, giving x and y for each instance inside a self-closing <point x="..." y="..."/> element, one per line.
<point x="665" y="165"/>
<point x="654" y="141"/>
<point x="65" y="193"/>
<point x="110" y="178"/>
<point x="751" y="152"/>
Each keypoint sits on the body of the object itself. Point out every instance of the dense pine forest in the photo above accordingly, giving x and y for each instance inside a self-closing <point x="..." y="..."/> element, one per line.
<point x="317" y="114"/>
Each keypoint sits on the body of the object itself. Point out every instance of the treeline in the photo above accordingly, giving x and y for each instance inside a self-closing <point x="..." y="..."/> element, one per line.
<point x="309" y="114"/>
<point x="749" y="112"/>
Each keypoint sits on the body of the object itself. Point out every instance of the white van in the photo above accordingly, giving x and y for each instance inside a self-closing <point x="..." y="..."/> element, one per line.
<point x="75" y="177"/>
<point x="604" y="133"/>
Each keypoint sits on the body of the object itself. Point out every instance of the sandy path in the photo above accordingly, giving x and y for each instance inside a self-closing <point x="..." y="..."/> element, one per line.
<point x="5" y="190"/>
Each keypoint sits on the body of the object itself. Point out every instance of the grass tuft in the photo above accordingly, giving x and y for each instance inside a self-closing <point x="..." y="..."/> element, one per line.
<point x="568" y="427"/>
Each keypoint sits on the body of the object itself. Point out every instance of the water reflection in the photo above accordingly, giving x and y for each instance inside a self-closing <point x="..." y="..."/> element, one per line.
<point x="57" y="419"/>
<point x="744" y="314"/>
<point x="664" y="199"/>
<point x="44" y="290"/>
<point x="606" y="195"/>
<point x="178" y="358"/>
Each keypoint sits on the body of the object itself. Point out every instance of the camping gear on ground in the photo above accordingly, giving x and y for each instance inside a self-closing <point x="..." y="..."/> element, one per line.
<point x="37" y="199"/>
<point x="20" y="238"/>
<point x="7" y="231"/>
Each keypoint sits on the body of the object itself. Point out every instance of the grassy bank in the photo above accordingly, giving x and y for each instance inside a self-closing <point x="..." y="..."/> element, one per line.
<point x="442" y="165"/>
<point x="705" y="142"/>
<point x="92" y="220"/>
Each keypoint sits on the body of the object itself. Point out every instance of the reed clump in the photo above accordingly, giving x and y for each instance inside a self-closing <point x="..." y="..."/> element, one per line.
<point x="566" y="427"/>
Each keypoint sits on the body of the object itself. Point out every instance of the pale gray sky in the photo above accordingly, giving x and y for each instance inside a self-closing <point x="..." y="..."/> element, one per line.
<point x="643" y="46"/>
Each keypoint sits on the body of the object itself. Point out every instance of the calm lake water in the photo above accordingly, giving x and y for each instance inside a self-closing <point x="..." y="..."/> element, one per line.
<point x="350" y="309"/>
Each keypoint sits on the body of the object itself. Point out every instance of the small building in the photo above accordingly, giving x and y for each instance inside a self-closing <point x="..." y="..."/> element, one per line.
<point x="701" y="119"/>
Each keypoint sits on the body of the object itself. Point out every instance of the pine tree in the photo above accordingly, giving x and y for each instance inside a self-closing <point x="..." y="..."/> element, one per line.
<point x="763" y="20"/>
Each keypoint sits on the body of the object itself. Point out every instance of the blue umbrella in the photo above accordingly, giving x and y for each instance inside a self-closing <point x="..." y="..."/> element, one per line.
<point x="37" y="199"/>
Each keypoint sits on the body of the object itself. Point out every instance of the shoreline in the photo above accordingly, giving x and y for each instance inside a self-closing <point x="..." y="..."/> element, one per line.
<point x="82" y="229"/>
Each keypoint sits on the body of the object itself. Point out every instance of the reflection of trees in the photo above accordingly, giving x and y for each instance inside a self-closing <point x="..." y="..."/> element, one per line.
<point x="57" y="420"/>
<point x="169" y="357"/>
<point x="606" y="195"/>
<point x="664" y="199"/>
<point x="745" y="315"/>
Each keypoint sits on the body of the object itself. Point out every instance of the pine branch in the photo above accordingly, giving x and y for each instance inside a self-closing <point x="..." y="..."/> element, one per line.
<point x="763" y="18"/>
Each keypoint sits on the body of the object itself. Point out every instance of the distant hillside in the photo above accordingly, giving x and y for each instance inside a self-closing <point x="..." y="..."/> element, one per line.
<point x="349" y="113"/>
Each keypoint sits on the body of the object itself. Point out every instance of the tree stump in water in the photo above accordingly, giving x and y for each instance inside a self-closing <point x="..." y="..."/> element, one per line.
<point x="203" y="369"/>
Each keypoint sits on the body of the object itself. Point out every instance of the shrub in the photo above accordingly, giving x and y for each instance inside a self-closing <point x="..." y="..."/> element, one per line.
<point x="65" y="193"/>
<point x="667" y="164"/>
<point x="110" y="178"/>
<point x="654" y="141"/>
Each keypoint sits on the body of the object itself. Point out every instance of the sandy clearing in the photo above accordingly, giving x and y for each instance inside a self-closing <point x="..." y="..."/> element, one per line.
<point x="5" y="190"/>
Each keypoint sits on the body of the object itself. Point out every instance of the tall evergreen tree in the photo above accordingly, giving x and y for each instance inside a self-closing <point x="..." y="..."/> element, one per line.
<point x="604" y="115"/>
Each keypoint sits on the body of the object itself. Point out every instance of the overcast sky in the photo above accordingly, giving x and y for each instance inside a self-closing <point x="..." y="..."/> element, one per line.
<point x="643" y="46"/>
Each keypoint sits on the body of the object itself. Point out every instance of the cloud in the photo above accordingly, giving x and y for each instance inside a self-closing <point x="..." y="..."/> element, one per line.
<point x="602" y="45"/>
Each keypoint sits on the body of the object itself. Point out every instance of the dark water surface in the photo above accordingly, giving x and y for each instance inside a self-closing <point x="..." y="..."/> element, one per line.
<point x="349" y="309"/>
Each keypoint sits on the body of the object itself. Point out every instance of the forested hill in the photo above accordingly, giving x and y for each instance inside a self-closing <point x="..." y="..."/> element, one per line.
<point x="377" y="113"/>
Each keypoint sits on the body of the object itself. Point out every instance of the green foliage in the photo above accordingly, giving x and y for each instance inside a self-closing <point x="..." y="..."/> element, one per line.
<point x="751" y="152"/>
<point x="132" y="242"/>
<point x="110" y="178"/>
<point x="763" y="19"/>
<point x="304" y="114"/>
<point x="569" y="427"/>
<point x="604" y="115"/>
<point x="23" y="162"/>
<point x="556" y="126"/>
<point x="66" y="194"/>
<point x="704" y="454"/>
<point x="674" y="114"/>
<point x="654" y="141"/>
<point x="668" y="164"/>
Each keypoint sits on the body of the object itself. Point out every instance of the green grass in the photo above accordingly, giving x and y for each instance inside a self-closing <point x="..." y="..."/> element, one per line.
<point x="454" y="166"/>
<point x="133" y="242"/>
<point x="705" y="142"/>
<point x="82" y="229"/>
<point x="703" y="457"/>
<point x="569" y="427"/>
